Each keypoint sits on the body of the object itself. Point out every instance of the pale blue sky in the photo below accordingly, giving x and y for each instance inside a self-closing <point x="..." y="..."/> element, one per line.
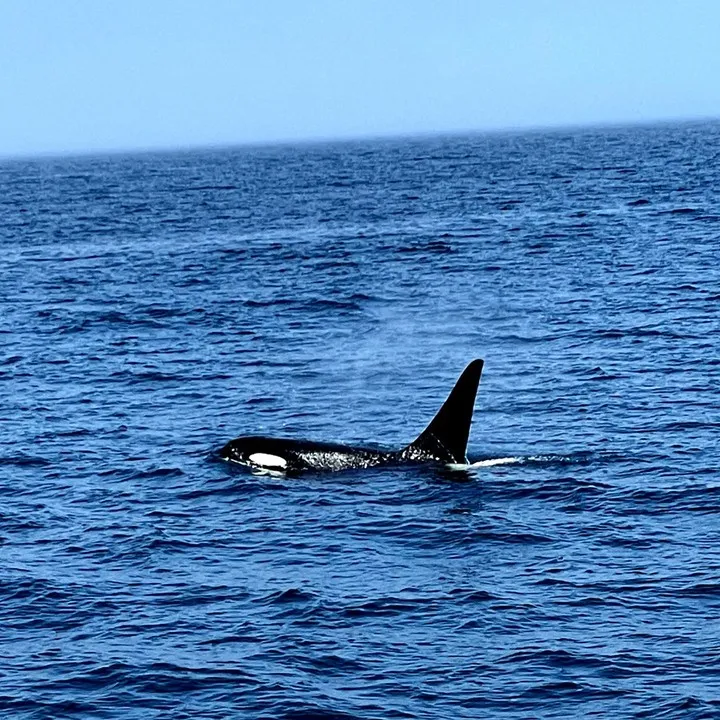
<point x="88" y="75"/>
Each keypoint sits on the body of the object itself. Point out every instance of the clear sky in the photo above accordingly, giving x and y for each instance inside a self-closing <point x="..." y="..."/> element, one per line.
<point x="87" y="75"/>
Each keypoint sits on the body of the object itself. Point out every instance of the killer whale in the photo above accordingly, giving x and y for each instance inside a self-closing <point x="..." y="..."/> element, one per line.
<point x="444" y="440"/>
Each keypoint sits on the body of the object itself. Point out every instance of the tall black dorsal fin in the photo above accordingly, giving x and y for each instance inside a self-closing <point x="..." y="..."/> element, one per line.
<point x="446" y="437"/>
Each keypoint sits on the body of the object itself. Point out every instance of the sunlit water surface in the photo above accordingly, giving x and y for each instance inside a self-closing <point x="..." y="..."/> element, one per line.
<point x="155" y="306"/>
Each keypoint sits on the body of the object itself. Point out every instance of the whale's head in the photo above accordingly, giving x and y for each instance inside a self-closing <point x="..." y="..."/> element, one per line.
<point x="255" y="452"/>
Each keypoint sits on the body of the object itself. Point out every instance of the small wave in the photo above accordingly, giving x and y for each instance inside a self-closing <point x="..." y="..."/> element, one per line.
<point x="462" y="595"/>
<point x="682" y="211"/>
<point x="707" y="589"/>
<point x="158" y="311"/>
<point x="325" y="304"/>
<point x="24" y="461"/>
<point x="302" y="710"/>
<point x="333" y="664"/>
<point x="158" y="472"/>
<point x="152" y="376"/>
<point x="268" y="303"/>
<point x="201" y="188"/>
<point x="386" y="607"/>
<point x="291" y="595"/>
<point x="80" y="432"/>
<point x="12" y="360"/>
<point x="434" y="247"/>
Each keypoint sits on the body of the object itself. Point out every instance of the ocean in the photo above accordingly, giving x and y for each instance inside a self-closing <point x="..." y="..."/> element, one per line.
<point x="155" y="306"/>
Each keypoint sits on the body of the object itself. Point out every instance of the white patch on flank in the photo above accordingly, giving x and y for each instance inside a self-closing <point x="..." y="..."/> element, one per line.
<point x="268" y="461"/>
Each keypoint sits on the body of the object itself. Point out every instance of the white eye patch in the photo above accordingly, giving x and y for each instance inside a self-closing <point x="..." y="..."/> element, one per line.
<point x="269" y="461"/>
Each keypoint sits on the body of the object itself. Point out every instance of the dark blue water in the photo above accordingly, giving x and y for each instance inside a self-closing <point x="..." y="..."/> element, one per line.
<point x="155" y="306"/>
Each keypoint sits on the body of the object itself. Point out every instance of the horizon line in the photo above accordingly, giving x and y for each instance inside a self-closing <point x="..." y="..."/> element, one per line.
<point x="347" y="139"/>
